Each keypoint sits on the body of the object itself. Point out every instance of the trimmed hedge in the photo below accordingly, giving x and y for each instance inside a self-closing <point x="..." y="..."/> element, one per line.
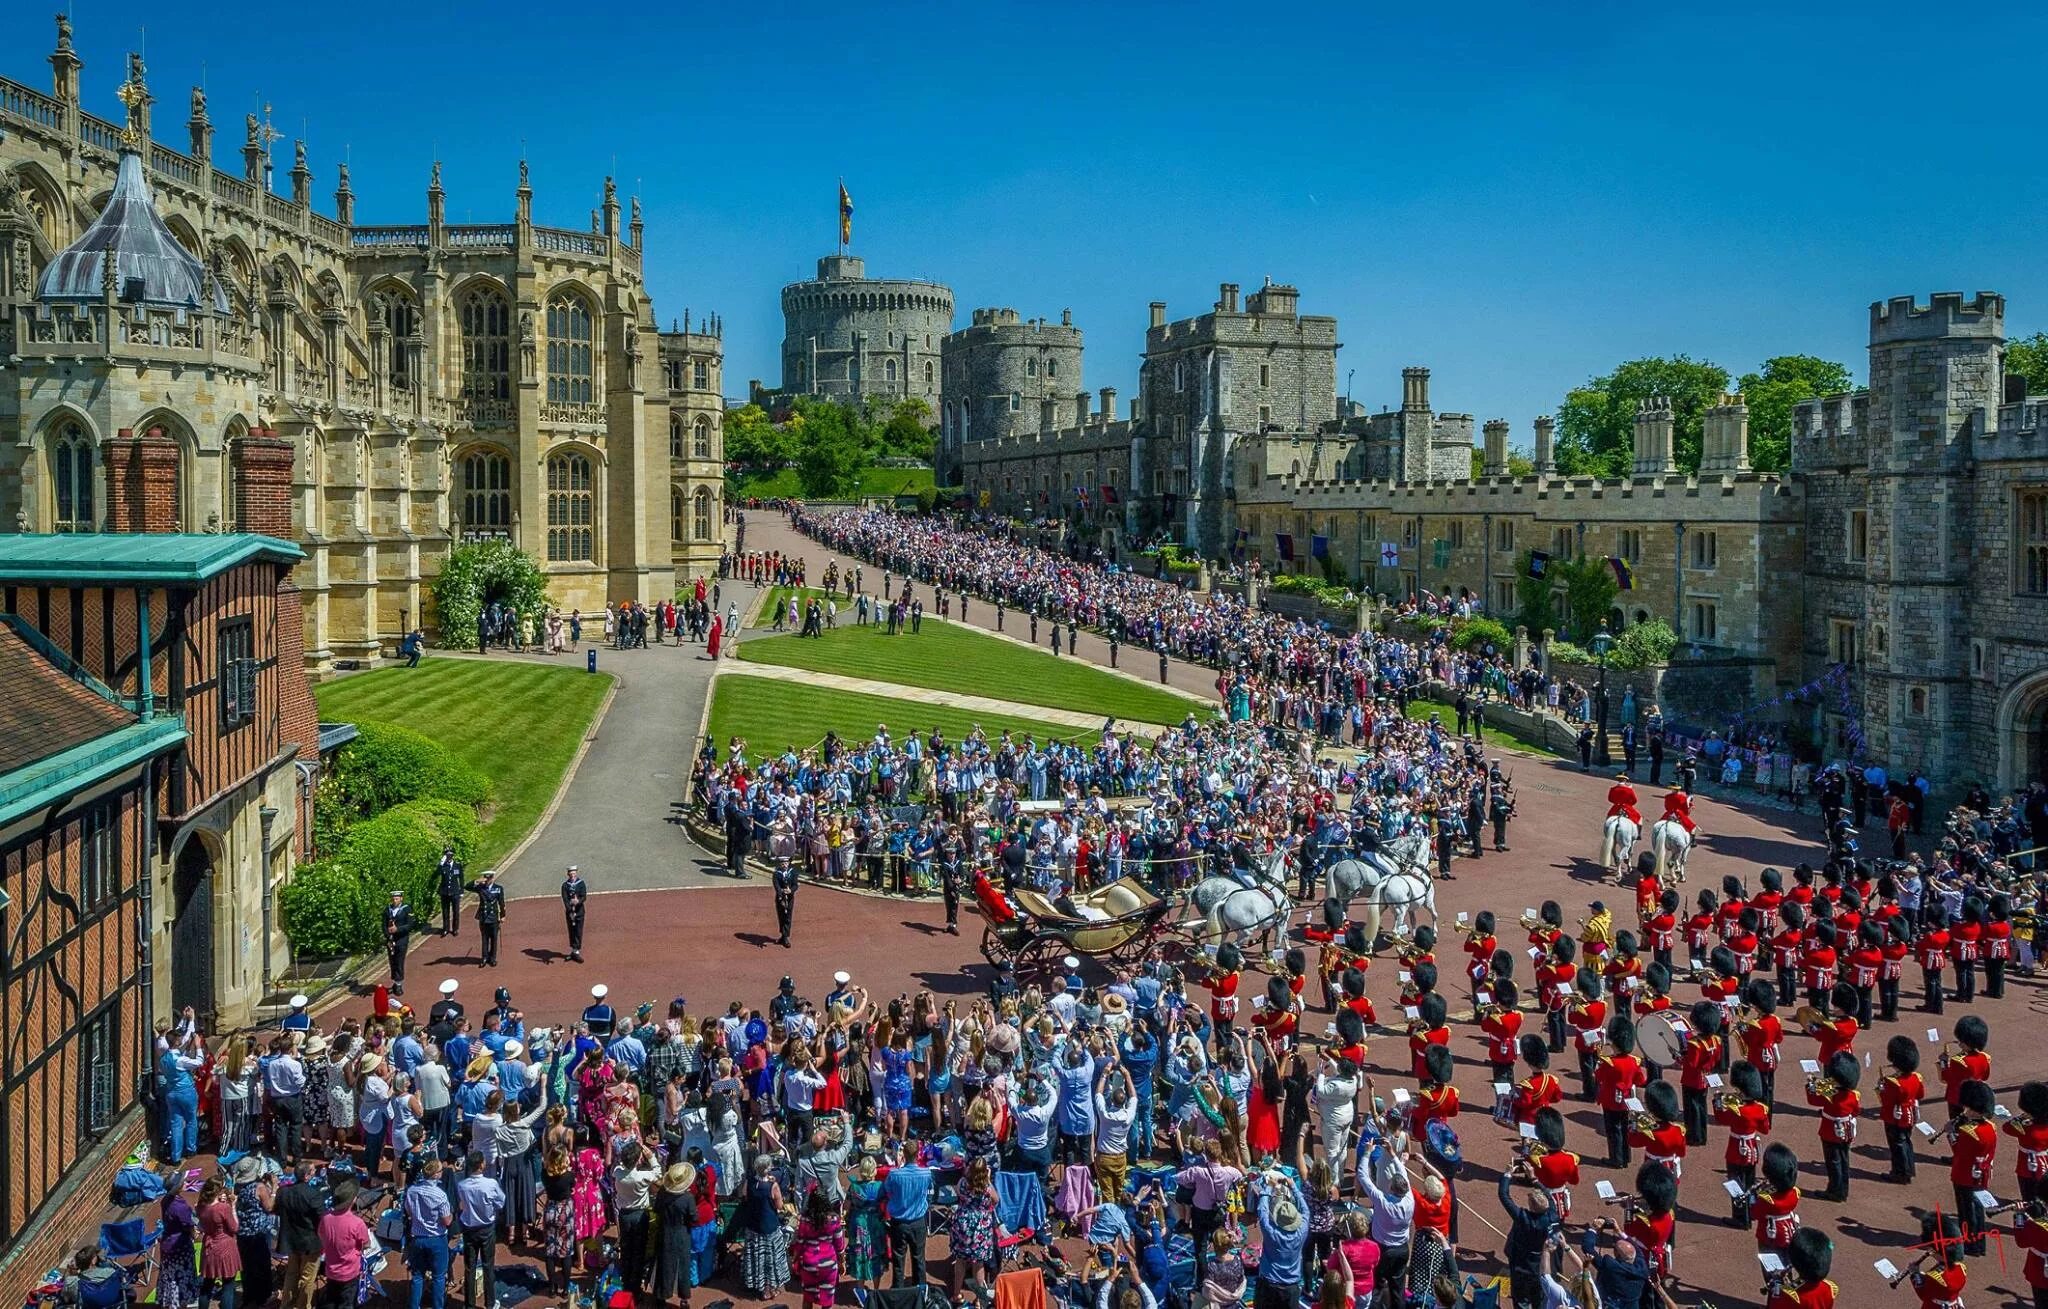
<point x="1476" y="632"/>
<point x="388" y="765"/>
<point x="335" y="906"/>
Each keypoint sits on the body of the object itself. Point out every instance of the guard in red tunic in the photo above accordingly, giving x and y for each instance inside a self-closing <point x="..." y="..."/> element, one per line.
<point x="1621" y="799"/>
<point x="1677" y="808"/>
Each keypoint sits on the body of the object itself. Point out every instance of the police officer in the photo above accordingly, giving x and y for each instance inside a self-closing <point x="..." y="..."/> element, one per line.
<point x="575" y="893"/>
<point x="1501" y="805"/>
<point x="784" y="879"/>
<point x="1112" y="647"/>
<point x="490" y="913"/>
<point x="739" y="835"/>
<point x="598" y="1017"/>
<point x="449" y="875"/>
<point x="397" y="938"/>
<point x="1162" y="665"/>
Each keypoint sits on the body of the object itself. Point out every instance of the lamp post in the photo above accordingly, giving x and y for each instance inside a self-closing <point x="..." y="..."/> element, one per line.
<point x="1603" y="641"/>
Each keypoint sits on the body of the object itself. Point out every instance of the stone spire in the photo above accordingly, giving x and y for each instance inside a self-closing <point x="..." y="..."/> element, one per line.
<point x="302" y="176"/>
<point x="64" y="64"/>
<point x="344" y="198"/>
<point x="201" y="128"/>
<point x="611" y="208"/>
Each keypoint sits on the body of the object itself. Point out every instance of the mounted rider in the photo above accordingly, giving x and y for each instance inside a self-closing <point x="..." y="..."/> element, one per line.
<point x="1621" y="799"/>
<point x="1678" y="809"/>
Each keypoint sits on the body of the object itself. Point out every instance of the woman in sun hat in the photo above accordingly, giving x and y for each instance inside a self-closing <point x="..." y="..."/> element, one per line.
<point x="675" y="1206"/>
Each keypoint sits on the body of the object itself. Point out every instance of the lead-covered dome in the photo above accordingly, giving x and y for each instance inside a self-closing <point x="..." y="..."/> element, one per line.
<point x="150" y="267"/>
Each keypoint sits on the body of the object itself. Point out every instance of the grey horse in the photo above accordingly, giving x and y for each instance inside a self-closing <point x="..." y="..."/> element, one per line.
<point x="1395" y="878"/>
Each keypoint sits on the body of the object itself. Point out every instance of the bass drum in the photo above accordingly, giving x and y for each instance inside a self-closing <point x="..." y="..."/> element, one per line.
<point x="1661" y="1037"/>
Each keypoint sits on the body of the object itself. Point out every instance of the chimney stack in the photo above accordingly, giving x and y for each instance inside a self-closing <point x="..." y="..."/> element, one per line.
<point x="1159" y="313"/>
<point x="1546" y="442"/>
<point x="1081" y="402"/>
<point x="1228" y="301"/>
<point x="1724" y="438"/>
<point x="263" y="483"/>
<point x="1066" y="318"/>
<point x="1495" y="456"/>
<point x="142" y="481"/>
<point x="1654" y="422"/>
<point x="1048" y="416"/>
<point x="1415" y="388"/>
<point x="1109" y="403"/>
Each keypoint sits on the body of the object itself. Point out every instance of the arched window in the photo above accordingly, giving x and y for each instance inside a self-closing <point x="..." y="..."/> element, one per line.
<point x="889" y="371"/>
<point x="486" y="494"/>
<point x="700" y="437"/>
<point x="1052" y="368"/>
<point x="569" y="353"/>
<point x="700" y="514"/>
<point x="927" y="374"/>
<point x="486" y="345"/>
<point x="675" y="515"/>
<point x="401" y="320"/>
<point x="1030" y="368"/>
<point x="675" y="436"/>
<point x="571" y="508"/>
<point x="71" y="469"/>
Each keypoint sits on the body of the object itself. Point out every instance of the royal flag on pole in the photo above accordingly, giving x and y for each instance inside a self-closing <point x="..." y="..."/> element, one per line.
<point x="1285" y="542"/>
<point x="1624" y="576"/>
<point x="1319" y="547"/>
<point x="1539" y="563"/>
<point x="1108" y="494"/>
<point x="845" y="215"/>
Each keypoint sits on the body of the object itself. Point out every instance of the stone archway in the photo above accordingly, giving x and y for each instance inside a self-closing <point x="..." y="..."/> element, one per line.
<point x="2022" y="727"/>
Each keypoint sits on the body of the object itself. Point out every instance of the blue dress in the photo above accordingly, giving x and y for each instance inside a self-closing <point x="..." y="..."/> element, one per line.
<point x="896" y="1080"/>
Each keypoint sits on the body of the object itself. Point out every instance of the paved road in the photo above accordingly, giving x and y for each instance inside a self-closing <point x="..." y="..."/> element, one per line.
<point x="620" y="819"/>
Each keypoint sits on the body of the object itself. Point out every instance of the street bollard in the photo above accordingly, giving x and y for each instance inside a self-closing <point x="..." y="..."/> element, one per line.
<point x="590" y="660"/>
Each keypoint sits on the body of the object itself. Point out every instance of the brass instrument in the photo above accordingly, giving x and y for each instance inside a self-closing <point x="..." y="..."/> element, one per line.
<point x="1827" y="1088"/>
<point x="1729" y="1100"/>
<point x="1643" y="1121"/>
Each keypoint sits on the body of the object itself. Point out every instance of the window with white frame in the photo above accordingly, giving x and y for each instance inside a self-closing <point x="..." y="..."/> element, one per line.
<point x="572" y="508"/>
<point x="571" y="357"/>
<point x="486" y="344"/>
<point x="72" y="479"/>
<point x="2030" y="539"/>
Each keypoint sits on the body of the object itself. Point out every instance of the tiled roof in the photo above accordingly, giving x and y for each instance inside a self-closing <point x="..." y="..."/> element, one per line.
<point x="45" y="711"/>
<point x="131" y="558"/>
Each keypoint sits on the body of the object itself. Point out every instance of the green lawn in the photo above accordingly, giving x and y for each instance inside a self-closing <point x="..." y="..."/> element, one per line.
<point x="1421" y="708"/>
<point x="873" y="482"/>
<point x="520" y="723"/>
<point x="774" y="715"/>
<point x="950" y="657"/>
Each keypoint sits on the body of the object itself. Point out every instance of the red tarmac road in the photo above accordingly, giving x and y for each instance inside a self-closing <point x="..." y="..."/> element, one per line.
<point x="717" y="944"/>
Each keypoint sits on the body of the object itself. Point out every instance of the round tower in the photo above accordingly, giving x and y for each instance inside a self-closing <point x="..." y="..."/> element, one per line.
<point x="847" y="336"/>
<point x="1001" y="371"/>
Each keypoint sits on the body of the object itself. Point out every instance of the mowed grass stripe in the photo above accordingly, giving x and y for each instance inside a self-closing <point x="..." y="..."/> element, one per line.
<point x="774" y="716"/>
<point x="519" y="723"/>
<point x="947" y="656"/>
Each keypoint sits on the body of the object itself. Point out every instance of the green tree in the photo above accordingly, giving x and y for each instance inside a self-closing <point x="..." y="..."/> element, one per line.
<point x="907" y="433"/>
<point x="1771" y="393"/>
<point x="1536" y="600"/>
<point x="1596" y="422"/>
<point x="832" y="455"/>
<point x="2028" y="357"/>
<point x="752" y="441"/>
<point x="1589" y="591"/>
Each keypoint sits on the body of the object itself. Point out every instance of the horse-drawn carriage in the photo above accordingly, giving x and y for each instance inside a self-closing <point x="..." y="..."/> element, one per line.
<point x="1118" y="925"/>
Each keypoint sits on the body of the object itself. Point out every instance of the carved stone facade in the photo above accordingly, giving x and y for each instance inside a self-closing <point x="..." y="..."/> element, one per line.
<point x="436" y="381"/>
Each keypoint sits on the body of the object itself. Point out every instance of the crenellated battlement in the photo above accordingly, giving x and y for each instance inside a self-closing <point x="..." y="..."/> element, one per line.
<point x="1946" y="314"/>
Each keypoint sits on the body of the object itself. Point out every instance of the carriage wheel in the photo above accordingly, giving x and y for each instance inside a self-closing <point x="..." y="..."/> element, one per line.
<point x="992" y="947"/>
<point x="1040" y="956"/>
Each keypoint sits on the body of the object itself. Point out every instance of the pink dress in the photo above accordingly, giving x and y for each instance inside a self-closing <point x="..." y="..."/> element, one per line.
<point x="220" y="1255"/>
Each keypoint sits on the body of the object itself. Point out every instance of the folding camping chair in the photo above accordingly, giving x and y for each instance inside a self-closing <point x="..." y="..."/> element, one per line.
<point x="131" y="1246"/>
<point x="1020" y="1204"/>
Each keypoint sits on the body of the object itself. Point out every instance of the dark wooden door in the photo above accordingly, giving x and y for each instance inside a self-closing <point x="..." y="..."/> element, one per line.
<point x="192" y="933"/>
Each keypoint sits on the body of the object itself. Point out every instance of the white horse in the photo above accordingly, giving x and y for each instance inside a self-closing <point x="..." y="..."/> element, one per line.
<point x="1232" y="911"/>
<point x="1396" y="878"/>
<point x="1672" y="843"/>
<point x="1617" y="841"/>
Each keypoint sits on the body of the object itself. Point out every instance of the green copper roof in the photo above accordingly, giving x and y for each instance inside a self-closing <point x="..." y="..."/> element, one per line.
<point x="26" y="790"/>
<point x="133" y="558"/>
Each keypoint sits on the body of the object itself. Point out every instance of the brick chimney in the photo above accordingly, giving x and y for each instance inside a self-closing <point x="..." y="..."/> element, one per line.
<point x="263" y="484"/>
<point x="142" y="481"/>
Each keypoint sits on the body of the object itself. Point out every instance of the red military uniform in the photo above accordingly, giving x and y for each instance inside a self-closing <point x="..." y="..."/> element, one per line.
<point x="1766" y="905"/>
<point x="1838" y="1115"/>
<point x="2032" y="1237"/>
<point x="2030" y="1163"/>
<point x="1537" y="1091"/>
<point x="1558" y="1172"/>
<point x="1760" y="1042"/>
<point x="1223" y="996"/>
<point x="1616" y="1079"/>
<point x="1898" y="1100"/>
<point x="1820" y="1295"/>
<point x="1976" y="1150"/>
<point x="1654" y="1235"/>
<point x="1971" y="1065"/>
<point x="1776" y="1218"/>
<point x="1664" y="1143"/>
<point x="1748" y="1124"/>
<point x="1499" y="1032"/>
<point x="1421" y="1041"/>
<point x="1621" y="799"/>
<point x="1678" y="808"/>
<point x="1587" y="1018"/>
<point x="1942" y="1287"/>
<point x="1701" y="1056"/>
<point x="1434" y="1102"/>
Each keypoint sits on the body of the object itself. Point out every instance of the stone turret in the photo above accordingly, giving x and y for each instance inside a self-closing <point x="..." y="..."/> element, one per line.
<point x="1654" y="423"/>
<point x="1546" y="445"/>
<point x="1495" y="458"/>
<point x="1724" y="438"/>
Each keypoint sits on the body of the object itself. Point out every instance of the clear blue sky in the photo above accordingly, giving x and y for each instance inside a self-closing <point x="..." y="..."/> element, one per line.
<point x="1516" y="195"/>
